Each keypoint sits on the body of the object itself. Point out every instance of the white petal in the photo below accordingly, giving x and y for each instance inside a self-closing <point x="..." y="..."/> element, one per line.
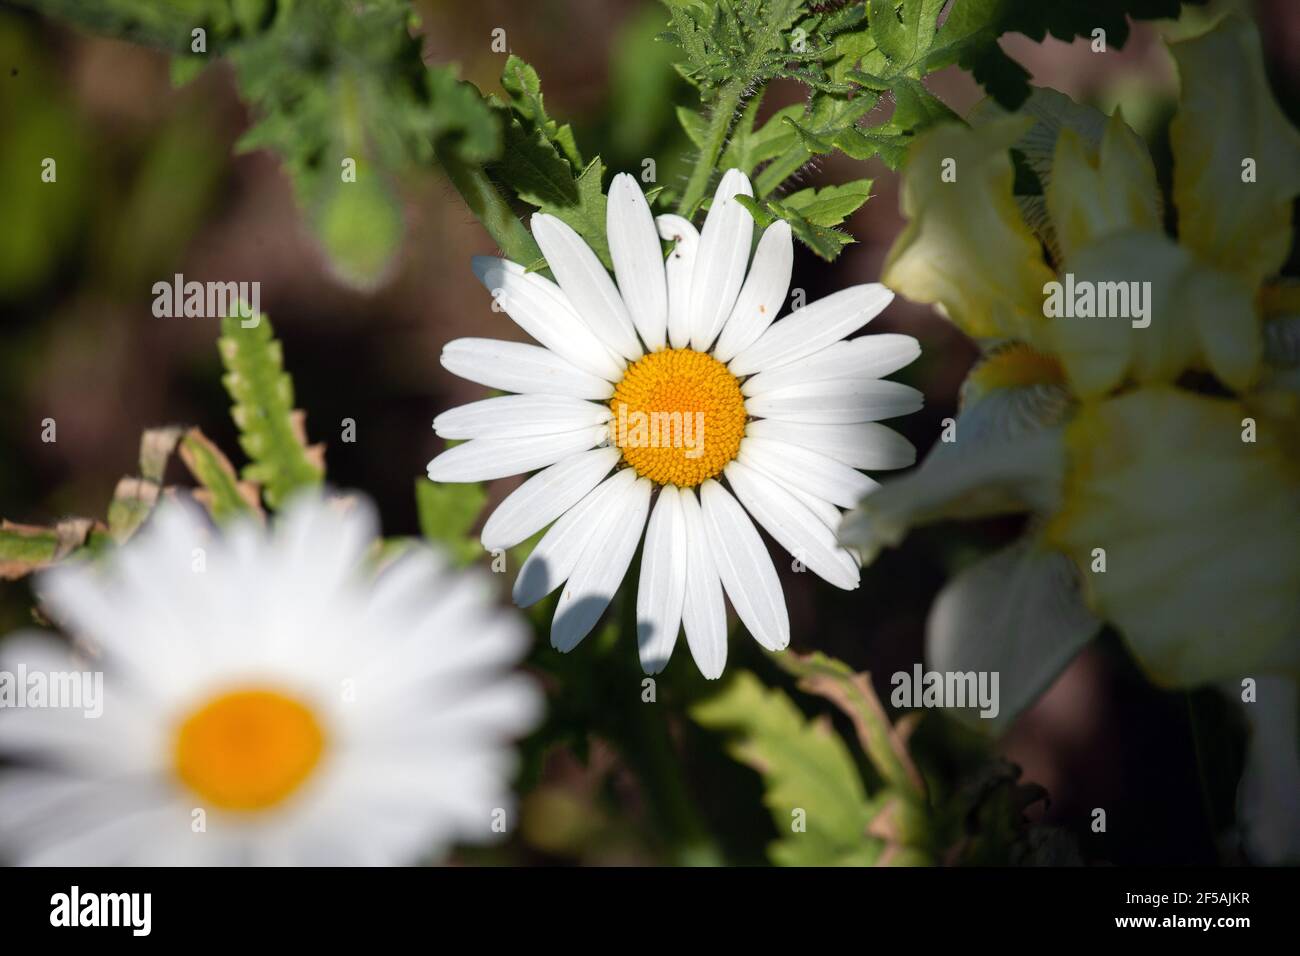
<point x="763" y="293"/>
<point x="638" y="259"/>
<point x="545" y="496"/>
<point x="519" y="416"/>
<point x="704" y="616"/>
<point x="745" y="567"/>
<point x="813" y="327"/>
<point x="826" y="512"/>
<point x="866" y="445"/>
<point x="485" y="459"/>
<point x="600" y="570"/>
<point x="869" y="356"/>
<point x="556" y="555"/>
<point x="837" y="401"/>
<point x="815" y="473"/>
<point x="518" y="367"/>
<point x="662" y="589"/>
<point x="720" y="264"/>
<point x="797" y="529"/>
<point x="678" y="270"/>
<point x="591" y="291"/>
<point x="541" y="309"/>
<point x="1019" y="613"/>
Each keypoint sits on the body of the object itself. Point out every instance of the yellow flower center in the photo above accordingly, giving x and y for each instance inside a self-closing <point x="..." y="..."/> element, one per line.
<point x="248" y="749"/>
<point x="678" y="417"/>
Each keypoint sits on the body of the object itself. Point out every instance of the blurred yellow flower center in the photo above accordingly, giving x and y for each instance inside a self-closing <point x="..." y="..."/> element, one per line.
<point x="248" y="749"/>
<point x="678" y="417"/>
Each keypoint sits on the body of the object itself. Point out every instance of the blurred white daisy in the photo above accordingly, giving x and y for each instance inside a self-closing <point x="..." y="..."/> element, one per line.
<point x="266" y="701"/>
<point x="677" y="379"/>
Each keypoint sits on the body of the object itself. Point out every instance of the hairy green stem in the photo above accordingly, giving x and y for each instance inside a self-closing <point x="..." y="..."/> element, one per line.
<point x="724" y="111"/>
<point x="490" y="207"/>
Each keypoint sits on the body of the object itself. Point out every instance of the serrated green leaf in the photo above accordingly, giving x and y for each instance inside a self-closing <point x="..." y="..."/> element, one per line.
<point x="904" y="33"/>
<point x="447" y="513"/>
<point x="916" y="108"/>
<point x="271" y="431"/>
<point x="221" y="493"/>
<point x="826" y="243"/>
<point x="813" y="142"/>
<point x="534" y="168"/>
<point x="135" y="497"/>
<point x="889" y="145"/>
<point x="830" y="205"/>
<point x="524" y="88"/>
<point x="587" y="215"/>
<point x="805" y="767"/>
<point x="811" y="214"/>
<point x="816" y="126"/>
<point x="852" y="692"/>
<point x="749" y="41"/>
<point x="540" y="159"/>
<point x="28" y="548"/>
<point x="750" y="148"/>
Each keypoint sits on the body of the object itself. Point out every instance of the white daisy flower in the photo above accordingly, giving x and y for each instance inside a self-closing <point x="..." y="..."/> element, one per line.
<point x="677" y="379"/>
<point x="266" y="701"/>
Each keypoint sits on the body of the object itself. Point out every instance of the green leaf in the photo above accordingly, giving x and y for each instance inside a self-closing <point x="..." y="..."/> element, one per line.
<point x="134" y="498"/>
<point x="695" y="125"/>
<point x="749" y="148"/>
<point x="222" y="492"/>
<point x="27" y="548"/>
<point x="447" y="515"/>
<point x="524" y="87"/>
<point x="805" y="767"/>
<point x="331" y="82"/>
<point x="826" y="243"/>
<point x="808" y="132"/>
<point x="758" y="209"/>
<point x="969" y="36"/>
<point x="540" y="159"/>
<point x="916" y="108"/>
<point x="904" y="34"/>
<point x="830" y="205"/>
<point x="166" y="25"/>
<point x="746" y="40"/>
<point x="535" y="169"/>
<point x="587" y="215"/>
<point x="271" y="431"/>
<point x="853" y="694"/>
<point x="823" y="241"/>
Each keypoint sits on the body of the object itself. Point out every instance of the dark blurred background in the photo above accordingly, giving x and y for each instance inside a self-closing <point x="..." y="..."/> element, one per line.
<point x="148" y="186"/>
